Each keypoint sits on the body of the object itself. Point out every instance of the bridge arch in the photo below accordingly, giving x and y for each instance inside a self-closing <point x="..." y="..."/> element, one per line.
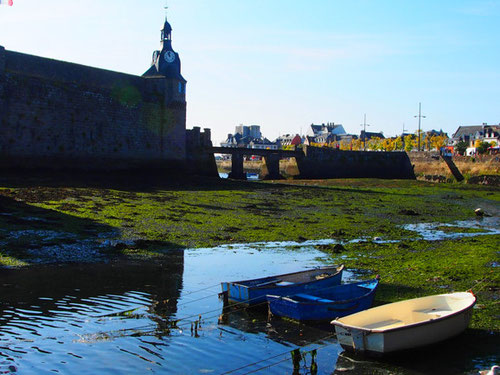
<point x="271" y="157"/>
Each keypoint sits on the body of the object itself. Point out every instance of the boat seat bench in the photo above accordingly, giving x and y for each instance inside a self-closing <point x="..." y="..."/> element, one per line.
<point x="311" y="298"/>
<point x="284" y="283"/>
<point x="274" y="282"/>
<point x="386" y="324"/>
<point x="416" y="316"/>
<point x="437" y="312"/>
<point x="265" y="283"/>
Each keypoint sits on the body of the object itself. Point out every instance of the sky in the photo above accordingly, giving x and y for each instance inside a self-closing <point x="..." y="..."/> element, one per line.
<point x="284" y="65"/>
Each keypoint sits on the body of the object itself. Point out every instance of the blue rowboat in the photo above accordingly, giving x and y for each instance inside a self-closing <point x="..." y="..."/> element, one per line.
<point x="254" y="291"/>
<point x="325" y="304"/>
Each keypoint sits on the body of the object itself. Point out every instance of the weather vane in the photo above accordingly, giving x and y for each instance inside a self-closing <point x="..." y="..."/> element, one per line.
<point x="166" y="8"/>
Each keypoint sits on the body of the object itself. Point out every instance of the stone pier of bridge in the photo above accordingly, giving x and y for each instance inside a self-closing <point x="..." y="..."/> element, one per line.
<point x="237" y="172"/>
<point x="271" y="159"/>
<point x="272" y="163"/>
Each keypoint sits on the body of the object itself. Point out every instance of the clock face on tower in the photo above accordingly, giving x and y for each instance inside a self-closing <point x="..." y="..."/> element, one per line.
<point x="169" y="56"/>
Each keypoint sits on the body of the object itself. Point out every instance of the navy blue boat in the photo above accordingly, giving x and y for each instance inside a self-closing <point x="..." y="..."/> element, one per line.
<point x="325" y="304"/>
<point x="254" y="291"/>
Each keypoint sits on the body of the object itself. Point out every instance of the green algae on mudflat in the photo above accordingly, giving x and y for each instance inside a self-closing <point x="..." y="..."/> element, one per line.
<point x="8" y="261"/>
<point x="213" y="213"/>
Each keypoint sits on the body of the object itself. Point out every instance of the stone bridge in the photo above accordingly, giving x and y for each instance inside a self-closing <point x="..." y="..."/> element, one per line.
<point x="271" y="158"/>
<point x="323" y="162"/>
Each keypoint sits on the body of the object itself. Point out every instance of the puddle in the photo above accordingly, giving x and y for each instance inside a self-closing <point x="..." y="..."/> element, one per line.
<point x="431" y="231"/>
<point x="69" y="247"/>
<point x="426" y="231"/>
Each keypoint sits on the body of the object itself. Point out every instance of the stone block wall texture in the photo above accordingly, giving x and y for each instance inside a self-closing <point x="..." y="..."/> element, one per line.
<point x="330" y="163"/>
<point x="199" y="161"/>
<point x="60" y="115"/>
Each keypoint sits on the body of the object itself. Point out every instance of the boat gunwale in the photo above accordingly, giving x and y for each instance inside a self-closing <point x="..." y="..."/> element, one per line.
<point x="335" y="322"/>
<point x="332" y="302"/>
<point x="339" y="268"/>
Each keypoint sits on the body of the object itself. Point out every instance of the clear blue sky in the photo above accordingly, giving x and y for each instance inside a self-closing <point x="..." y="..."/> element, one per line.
<point x="286" y="64"/>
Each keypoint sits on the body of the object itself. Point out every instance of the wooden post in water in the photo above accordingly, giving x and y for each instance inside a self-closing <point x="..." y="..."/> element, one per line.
<point x="453" y="168"/>
<point x="223" y="318"/>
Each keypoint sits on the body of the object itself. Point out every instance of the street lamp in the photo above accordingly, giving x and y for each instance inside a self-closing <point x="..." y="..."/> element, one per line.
<point x="419" y="118"/>
<point x="364" y="125"/>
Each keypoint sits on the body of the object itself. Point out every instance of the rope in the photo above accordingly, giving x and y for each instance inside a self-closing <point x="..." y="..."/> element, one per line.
<point x="253" y="364"/>
<point x="266" y="367"/>
<point x="240" y="308"/>
<point x="279" y="355"/>
<point x="200" y="290"/>
<point x="484" y="282"/>
<point x="353" y="360"/>
<point x="196" y="300"/>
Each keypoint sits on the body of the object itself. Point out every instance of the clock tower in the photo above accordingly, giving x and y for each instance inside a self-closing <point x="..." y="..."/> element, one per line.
<point x="167" y="121"/>
<point x="166" y="62"/>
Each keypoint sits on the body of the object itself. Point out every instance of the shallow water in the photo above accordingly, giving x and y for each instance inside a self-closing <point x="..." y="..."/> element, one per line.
<point x="117" y="319"/>
<point x="250" y="176"/>
<point x="432" y="231"/>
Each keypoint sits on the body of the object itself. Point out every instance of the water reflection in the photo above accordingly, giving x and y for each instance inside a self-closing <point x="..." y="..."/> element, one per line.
<point x="52" y="315"/>
<point x="291" y="334"/>
<point x="437" y="232"/>
<point x="250" y="176"/>
<point x="162" y="317"/>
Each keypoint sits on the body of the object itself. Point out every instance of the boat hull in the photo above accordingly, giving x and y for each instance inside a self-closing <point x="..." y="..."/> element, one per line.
<point x="253" y="292"/>
<point x="325" y="305"/>
<point x="398" y="336"/>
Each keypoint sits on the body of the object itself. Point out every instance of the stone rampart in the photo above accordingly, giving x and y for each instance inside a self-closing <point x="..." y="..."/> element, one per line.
<point x="331" y="163"/>
<point x="200" y="161"/>
<point x="60" y="115"/>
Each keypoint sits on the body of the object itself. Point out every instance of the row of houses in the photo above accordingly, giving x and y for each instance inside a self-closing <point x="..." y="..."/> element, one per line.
<point x="335" y="134"/>
<point x="474" y="134"/>
<point x="251" y="137"/>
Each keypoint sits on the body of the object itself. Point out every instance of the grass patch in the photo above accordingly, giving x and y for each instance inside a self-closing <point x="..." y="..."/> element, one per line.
<point x="9" y="261"/>
<point x="412" y="269"/>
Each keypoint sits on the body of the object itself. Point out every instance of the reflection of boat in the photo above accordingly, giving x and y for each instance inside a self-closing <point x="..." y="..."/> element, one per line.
<point x="255" y="322"/>
<point x="254" y="291"/>
<point x="325" y="304"/>
<point x="406" y="324"/>
<point x="252" y="176"/>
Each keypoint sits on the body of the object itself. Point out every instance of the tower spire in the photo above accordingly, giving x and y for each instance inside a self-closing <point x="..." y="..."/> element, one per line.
<point x="167" y="29"/>
<point x="166" y="62"/>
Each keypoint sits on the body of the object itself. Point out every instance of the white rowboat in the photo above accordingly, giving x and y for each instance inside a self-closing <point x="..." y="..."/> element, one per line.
<point x="406" y="324"/>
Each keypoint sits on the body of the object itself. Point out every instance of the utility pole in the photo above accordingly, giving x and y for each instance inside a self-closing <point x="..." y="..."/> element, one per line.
<point x="403" y="138"/>
<point x="419" y="119"/>
<point x="364" y="125"/>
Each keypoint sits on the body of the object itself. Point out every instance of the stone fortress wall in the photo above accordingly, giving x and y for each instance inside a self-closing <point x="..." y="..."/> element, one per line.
<point x="61" y="115"/>
<point x="321" y="162"/>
